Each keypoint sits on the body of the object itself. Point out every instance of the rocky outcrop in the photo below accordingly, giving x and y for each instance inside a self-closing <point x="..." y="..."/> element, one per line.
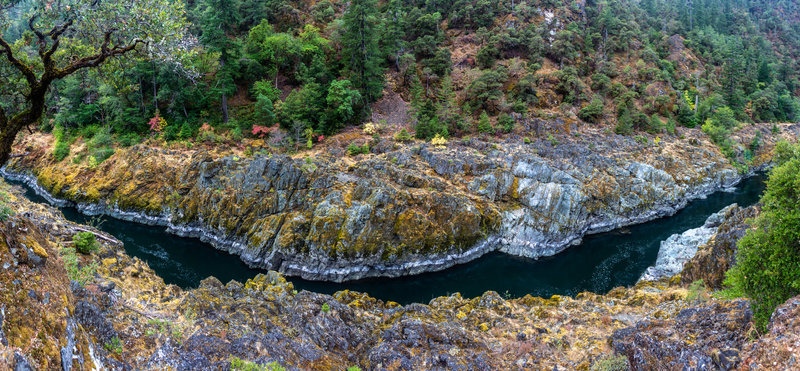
<point x="38" y="326"/>
<point x="714" y="258"/>
<point x="125" y="317"/>
<point x="779" y="348"/>
<point x="404" y="209"/>
<point x="708" y="337"/>
<point x="679" y="248"/>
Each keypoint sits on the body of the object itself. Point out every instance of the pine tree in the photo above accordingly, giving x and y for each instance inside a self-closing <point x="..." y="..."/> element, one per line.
<point x="360" y="48"/>
<point x="218" y="20"/>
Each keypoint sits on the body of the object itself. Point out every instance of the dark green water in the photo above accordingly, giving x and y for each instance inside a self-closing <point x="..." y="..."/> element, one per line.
<point x="600" y="263"/>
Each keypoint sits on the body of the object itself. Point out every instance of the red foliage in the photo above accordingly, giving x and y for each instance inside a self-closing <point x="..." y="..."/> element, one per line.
<point x="157" y="123"/>
<point x="262" y="131"/>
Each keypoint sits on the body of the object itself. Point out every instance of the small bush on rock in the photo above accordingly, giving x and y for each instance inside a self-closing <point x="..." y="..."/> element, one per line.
<point x="85" y="242"/>
<point x="767" y="266"/>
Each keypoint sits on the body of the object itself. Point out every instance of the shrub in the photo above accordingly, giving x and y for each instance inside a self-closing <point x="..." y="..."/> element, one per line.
<point x="439" y="141"/>
<point x="403" y="136"/>
<point x="484" y="125"/>
<point x="624" y="127"/>
<point x="238" y="364"/>
<point x="654" y="124"/>
<point x="617" y="363"/>
<point x="129" y="139"/>
<point x="553" y="141"/>
<point x="767" y="266"/>
<point x="427" y="129"/>
<point x="487" y="56"/>
<point x="592" y="111"/>
<point x="5" y="211"/>
<point x="85" y="242"/>
<point x="355" y="150"/>
<point x="61" y="150"/>
<point x="697" y="292"/>
<point x="114" y="346"/>
<point x="506" y="122"/>
<point x="326" y="308"/>
<point x="80" y="274"/>
<point x="371" y="129"/>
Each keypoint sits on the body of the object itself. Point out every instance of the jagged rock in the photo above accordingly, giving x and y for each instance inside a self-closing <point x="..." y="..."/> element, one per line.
<point x="704" y="338"/>
<point x="265" y="321"/>
<point x="679" y="248"/>
<point x="717" y="256"/>
<point x="779" y="348"/>
<point x="407" y="210"/>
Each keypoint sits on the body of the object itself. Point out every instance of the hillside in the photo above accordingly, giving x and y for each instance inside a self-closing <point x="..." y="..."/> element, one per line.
<point x="455" y="68"/>
<point x="399" y="147"/>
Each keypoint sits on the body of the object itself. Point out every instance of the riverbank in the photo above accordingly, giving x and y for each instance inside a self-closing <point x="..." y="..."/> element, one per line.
<point x="124" y="316"/>
<point x="600" y="263"/>
<point x="401" y="210"/>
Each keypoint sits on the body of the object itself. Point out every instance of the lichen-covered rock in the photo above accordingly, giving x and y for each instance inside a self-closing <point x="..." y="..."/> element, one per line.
<point x="405" y="210"/>
<point x="125" y="317"/>
<point x="714" y="258"/>
<point x="38" y="325"/>
<point x="708" y="337"/>
<point x="779" y="348"/>
<point x="679" y="248"/>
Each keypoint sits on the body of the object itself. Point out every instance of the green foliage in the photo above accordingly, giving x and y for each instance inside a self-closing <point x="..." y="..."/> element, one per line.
<point x="82" y="274"/>
<point x="767" y="268"/>
<point x="355" y="150"/>
<point x="484" y="92"/>
<point x="484" y="125"/>
<point x="62" y="146"/>
<point x="718" y="128"/>
<point x="238" y="364"/>
<point x="85" y="242"/>
<point x="114" y="346"/>
<point x="593" y="111"/>
<point x="360" y="48"/>
<point x="342" y="102"/>
<point x="5" y="210"/>
<point x="326" y="308"/>
<point x="61" y="150"/>
<point x="697" y="292"/>
<point x="403" y="136"/>
<point x="552" y="139"/>
<point x="624" y="126"/>
<point x="505" y="122"/>
<point x="611" y="363"/>
<point x="487" y="56"/>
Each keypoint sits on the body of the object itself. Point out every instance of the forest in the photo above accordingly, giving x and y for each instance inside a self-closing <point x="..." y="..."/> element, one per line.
<point x="293" y="72"/>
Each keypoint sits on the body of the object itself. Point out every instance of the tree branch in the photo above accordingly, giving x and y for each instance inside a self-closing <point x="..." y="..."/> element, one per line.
<point x="39" y="35"/>
<point x="55" y="35"/>
<point x="97" y="59"/>
<point x="26" y="71"/>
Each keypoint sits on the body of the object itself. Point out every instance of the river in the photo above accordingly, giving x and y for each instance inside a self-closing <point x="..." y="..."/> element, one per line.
<point x="600" y="263"/>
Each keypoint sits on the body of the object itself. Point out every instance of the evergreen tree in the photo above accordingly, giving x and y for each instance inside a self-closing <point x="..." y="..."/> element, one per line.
<point x="360" y="48"/>
<point x="218" y="21"/>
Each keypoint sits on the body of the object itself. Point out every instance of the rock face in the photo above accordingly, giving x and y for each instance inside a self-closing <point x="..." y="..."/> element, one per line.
<point x="38" y="325"/>
<point x="708" y="337"/>
<point x="778" y="349"/>
<point x="404" y="209"/>
<point x="679" y="248"/>
<point x="717" y="256"/>
<point x="125" y="317"/>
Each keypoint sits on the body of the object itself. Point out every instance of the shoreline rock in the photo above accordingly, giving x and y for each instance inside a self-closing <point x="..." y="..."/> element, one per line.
<point x="125" y="317"/>
<point x="404" y="211"/>
<point x="679" y="248"/>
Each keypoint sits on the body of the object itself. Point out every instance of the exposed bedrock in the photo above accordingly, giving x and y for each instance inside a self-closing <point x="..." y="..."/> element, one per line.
<point x="401" y="210"/>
